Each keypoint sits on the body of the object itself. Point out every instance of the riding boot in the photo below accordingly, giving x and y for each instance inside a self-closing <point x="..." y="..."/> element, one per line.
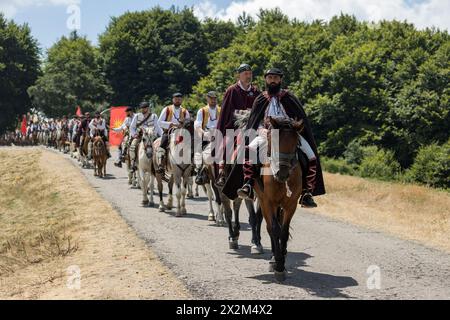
<point x="246" y="192"/>
<point x="307" y="200"/>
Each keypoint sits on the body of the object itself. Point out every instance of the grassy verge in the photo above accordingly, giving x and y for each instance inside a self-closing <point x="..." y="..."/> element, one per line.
<point x="409" y="211"/>
<point x="36" y="224"/>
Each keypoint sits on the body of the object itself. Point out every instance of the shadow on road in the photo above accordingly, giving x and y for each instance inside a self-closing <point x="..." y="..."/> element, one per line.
<point x="317" y="284"/>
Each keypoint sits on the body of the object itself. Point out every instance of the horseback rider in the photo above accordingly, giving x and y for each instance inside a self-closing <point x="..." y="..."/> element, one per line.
<point x="141" y="121"/>
<point x="207" y="118"/>
<point x="239" y="96"/>
<point x="125" y="129"/>
<point x="171" y="116"/>
<point x="97" y="126"/>
<point x="83" y="129"/>
<point x="276" y="103"/>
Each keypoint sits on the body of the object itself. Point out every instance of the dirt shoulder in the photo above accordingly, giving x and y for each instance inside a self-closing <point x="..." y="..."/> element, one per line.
<point x="61" y="240"/>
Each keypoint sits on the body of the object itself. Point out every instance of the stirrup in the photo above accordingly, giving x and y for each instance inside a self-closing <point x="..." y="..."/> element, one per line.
<point x="246" y="192"/>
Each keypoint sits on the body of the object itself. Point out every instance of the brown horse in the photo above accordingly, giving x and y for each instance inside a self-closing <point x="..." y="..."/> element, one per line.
<point x="280" y="191"/>
<point x="99" y="156"/>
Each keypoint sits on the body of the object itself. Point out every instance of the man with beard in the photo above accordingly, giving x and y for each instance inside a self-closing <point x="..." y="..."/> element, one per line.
<point x="239" y="96"/>
<point x="276" y="102"/>
<point x="171" y="117"/>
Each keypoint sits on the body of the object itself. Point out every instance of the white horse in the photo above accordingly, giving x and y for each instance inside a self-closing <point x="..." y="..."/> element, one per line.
<point x="207" y="172"/>
<point x="145" y="166"/>
<point x="181" y="172"/>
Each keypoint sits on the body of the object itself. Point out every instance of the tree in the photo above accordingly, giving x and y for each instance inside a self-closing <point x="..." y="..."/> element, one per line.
<point x="154" y="52"/>
<point x="71" y="77"/>
<point x="19" y="69"/>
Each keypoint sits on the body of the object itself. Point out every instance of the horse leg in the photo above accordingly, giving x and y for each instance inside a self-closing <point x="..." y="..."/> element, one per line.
<point x="189" y="185"/>
<point x="219" y="207"/>
<point x="178" y="195"/>
<point x="237" y="225"/>
<point x="233" y="244"/>
<point x="211" y="216"/>
<point x="144" y="186"/>
<point x="257" y="248"/>
<point x="151" y="188"/>
<point x="275" y="234"/>
<point x="161" y="208"/>
<point x="170" y="200"/>
<point x="184" y="188"/>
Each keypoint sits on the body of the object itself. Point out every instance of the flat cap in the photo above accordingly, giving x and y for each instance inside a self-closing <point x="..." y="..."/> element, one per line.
<point x="212" y="94"/>
<point x="144" y="105"/>
<point x="244" y="67"/>
<point x="178" y="95"/>
<point x="274" y="71"/>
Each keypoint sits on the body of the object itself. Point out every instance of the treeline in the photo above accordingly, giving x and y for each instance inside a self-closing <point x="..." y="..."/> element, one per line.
<point x="377" y="94"/>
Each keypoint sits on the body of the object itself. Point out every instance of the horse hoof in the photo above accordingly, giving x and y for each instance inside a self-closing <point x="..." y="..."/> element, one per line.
<point x="178" y="215"/>
<point x="162" y="209"/>
<point x="151" y="204"/>
<point x="197" y="195"/>
<point x="257" y="249"/>
<point x="280" y="276"/>
<point x="145" y="203"/>
<point x="272" y="265"/>
<point x="211" y="217"/>
<point x="234" y="245"/>
<point x="183" y="211"/>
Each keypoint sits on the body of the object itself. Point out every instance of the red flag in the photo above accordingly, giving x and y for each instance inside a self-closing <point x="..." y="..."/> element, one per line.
<point x="118" y="115"/>
<point x="78" y="113"/>
<point x="24" y="125"/>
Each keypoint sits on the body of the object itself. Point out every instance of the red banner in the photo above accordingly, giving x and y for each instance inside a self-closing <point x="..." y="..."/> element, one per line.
<point x="118" y="116"/>
<point x="24" y="125"/>
<point x="78" y="113"/>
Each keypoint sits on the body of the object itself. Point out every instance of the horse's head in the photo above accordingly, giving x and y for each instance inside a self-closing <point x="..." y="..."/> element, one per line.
<point x="284" y="155"/>
<point x="148" y="135"/>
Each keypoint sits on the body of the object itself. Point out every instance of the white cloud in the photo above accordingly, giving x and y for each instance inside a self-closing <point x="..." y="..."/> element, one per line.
<point x="10" y="7"/>
<point x="423" y="14"/>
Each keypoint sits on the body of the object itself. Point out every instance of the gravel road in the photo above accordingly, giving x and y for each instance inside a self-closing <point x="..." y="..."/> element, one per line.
<point x="327" y="259"/>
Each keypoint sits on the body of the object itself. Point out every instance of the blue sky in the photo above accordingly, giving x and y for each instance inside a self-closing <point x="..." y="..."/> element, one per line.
<point x="47" y="18"/>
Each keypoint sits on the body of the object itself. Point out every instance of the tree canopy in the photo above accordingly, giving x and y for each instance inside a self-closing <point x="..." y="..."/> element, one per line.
<point x="19" y="69"/>
<point x="71" y="77"/>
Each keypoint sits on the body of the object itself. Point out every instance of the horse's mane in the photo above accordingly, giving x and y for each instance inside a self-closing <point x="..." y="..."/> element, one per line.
<point x="285" y="123"/>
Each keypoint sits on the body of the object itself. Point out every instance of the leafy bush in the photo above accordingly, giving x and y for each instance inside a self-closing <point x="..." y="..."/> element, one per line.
<point x="432" y="166"/>
<point x="337" y="166"/>
<point x="379" y="164"/>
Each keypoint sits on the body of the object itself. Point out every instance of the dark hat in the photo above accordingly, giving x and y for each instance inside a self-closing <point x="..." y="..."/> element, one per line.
<point x="97" y="114"/>
<point x="274" y="71"/>
<point x="144" y="105"/>
<point x="212" y="94"/>
<point x="244" y="67"/>
<point x="129" y="109"/>
<point x="178" y="95"/>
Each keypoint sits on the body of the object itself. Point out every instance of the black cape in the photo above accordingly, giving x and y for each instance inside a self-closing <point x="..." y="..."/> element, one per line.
<point x="294" y="110"/>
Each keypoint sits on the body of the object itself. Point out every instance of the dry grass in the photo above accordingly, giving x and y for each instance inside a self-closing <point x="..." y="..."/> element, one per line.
<point x="408" y="211"/>
<point x="52" y="219"/>
<point x="35" y="227"/>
